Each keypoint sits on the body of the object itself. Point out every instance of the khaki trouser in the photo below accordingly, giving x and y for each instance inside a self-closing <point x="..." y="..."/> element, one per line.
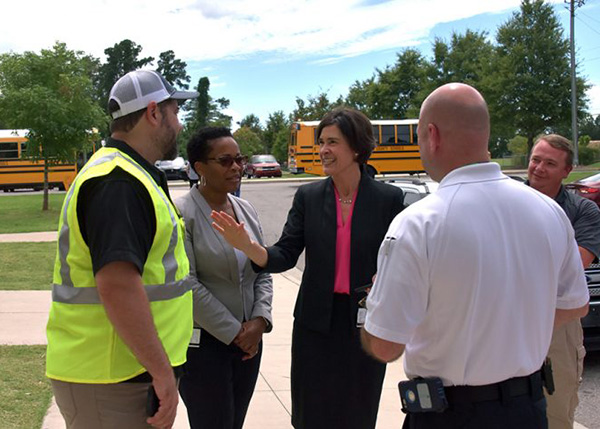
<point x="102" y="406"/>
<point x="567" y="353"/>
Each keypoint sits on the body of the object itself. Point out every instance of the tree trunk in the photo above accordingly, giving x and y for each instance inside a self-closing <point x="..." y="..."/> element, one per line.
<point x="45" y="203"/>
<point x="529" y="146"/>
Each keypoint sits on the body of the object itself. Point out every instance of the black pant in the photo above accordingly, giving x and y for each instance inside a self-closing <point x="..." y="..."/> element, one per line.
<point x="217" y="385"/>
<point x="522" y="412"/>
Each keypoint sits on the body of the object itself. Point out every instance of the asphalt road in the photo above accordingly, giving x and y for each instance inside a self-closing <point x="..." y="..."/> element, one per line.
<point x="273" y="200"/>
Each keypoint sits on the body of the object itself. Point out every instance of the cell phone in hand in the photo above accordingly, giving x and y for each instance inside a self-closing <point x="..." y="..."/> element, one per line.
<point x="152" y="402"/>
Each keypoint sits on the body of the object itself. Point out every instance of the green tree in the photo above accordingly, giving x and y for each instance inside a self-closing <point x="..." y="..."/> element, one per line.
<point x="173" y="69"/>
<point x="314" y="108"/>
<point x="275" y="123"/>
<point x="50" y="94"/>
<point x="361" y="96"/>
<point x="518" y="145"/>
<point x="465" y="59"/>
<point x="392" y="93"/>
<point x="199" y="108"/>
<point x="530" y="85"/>
<point x="590" y="126"/>
<point x="218" y="117"/>
<point x="248" y="141"/>
<point x="201" y="112"/>
<point x="588" y="154"/>
<point x="253" y="122"/>
<point x="280" y="145"/>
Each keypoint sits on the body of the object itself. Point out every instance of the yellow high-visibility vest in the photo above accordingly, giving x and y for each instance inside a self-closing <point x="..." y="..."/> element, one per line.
<point x="83" y="346"/>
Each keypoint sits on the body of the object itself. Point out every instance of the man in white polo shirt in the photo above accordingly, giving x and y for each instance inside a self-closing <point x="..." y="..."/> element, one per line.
<point x="472" y="278"/>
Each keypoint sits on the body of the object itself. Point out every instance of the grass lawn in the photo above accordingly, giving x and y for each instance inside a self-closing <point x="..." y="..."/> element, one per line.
<point x="23" y="213"/>
<point x="288" y="175"/>
<point x="576" y="175"/>
<point x="26" y="266"/>
<point x="25" y="392"/>
<point x="590" y="170"/>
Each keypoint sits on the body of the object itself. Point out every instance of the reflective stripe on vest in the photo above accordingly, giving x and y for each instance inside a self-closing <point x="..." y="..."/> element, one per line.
<point x="169" y="261"/>
<point x="89" y="295"/>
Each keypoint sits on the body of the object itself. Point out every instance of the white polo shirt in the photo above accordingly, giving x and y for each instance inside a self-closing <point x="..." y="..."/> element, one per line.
<point x="469" y="279"/>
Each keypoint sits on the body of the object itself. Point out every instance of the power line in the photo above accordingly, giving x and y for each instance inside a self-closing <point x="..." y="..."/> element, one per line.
<point x="587" y="25"/>
<point x="585" y="14"/>
<point x="591" y="49"/>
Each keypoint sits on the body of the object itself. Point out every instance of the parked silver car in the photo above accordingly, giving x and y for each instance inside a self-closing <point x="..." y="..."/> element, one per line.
<point x="174" y="169"/>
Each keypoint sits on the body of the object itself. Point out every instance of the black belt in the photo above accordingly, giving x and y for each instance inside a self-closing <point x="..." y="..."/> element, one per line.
<point x="530" y="385"/>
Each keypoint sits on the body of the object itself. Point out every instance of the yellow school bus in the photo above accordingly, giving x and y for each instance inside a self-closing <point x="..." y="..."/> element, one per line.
<point x="396" y="151"/>
<point x="17" y="171"/>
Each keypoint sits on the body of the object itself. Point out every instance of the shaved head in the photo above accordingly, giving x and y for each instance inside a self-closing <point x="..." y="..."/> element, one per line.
<point x="455" y="127"/>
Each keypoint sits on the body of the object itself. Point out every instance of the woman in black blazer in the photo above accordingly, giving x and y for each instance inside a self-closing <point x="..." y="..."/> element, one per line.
<point x="341" y="222"/>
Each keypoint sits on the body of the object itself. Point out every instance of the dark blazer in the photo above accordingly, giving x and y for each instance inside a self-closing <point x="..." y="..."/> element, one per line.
<point x="312" y="224"/>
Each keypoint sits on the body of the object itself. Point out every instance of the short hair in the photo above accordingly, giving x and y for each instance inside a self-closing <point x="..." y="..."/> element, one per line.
<point x="355" y="127"/>
<point x="558" y="142"/>
<point x="128" y="122"/>
<point x="199" y="147"/>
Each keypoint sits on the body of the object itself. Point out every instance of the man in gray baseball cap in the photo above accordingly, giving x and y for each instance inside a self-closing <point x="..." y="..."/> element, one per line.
<point x="121" y="316"/>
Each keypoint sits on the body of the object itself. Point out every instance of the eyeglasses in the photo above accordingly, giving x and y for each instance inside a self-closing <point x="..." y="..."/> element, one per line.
<point x="228" y="160"/>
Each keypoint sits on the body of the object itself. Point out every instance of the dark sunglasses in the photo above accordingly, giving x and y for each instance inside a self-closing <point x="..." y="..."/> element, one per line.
<point x="228" y="160"/>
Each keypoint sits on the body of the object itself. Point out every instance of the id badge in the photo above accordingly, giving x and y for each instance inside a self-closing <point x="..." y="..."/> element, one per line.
<point x="195" y="341"/>
<point x="360" y="317"/>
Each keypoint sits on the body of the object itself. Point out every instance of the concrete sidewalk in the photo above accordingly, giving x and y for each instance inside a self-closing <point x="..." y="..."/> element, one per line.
<point x="37" y="237"/>
<point x="23" y="316"/>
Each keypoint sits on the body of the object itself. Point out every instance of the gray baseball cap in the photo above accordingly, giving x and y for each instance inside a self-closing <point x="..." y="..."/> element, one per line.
<point x="138" y="88"/>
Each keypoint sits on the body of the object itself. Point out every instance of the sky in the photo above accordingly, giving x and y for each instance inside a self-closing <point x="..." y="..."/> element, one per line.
<point x="262" y="54"/>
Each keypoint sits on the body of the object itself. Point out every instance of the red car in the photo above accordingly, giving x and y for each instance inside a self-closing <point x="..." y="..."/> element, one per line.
<point x="588" y="188"/>
<point x="263" y="166"/>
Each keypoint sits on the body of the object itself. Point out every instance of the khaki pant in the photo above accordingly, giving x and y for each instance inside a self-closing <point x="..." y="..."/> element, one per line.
<point x="567" y="353"/>
<point x="102" y="406"/>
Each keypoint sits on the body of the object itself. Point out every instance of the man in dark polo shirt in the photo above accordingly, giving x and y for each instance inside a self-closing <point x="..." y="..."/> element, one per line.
<point x="551" y="161"/>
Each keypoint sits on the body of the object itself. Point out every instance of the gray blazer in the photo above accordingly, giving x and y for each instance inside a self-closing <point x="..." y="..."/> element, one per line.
<point x="221" y="303"/>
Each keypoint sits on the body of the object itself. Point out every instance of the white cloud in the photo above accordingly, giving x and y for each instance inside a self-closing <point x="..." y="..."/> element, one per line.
<point x="594" y="95"/>
<point x="207" y="29"/>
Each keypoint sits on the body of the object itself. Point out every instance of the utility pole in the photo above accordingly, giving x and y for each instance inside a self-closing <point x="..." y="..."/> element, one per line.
<point x="573" y="83"/>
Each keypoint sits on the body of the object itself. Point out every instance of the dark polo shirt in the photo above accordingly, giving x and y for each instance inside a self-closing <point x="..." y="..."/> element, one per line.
<point x="116" y="214"/>
<point x="584" y="215"/>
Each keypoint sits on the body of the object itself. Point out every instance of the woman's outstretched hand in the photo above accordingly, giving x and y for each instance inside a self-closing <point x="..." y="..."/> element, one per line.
<point x="237" y="236"/>
<point x="234" y="233"/>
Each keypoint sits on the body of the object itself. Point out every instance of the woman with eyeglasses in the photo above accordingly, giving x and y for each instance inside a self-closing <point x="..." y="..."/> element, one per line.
<point x="340" y="222"/>
<point x="232" y="304"/>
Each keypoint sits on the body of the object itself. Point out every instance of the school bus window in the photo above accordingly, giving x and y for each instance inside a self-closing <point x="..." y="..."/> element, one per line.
<point x="316" y="138"/>
<point x="23" y="148"/>
<point x="403" y="134"/>
<point x="303" y="155"/>
<point x="387" y="135"/>
<point x="415" y="138"/>
<point x="376" y="133"/>
<point x="9" y="150"/>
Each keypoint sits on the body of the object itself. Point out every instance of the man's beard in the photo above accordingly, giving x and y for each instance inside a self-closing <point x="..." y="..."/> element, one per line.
<point x="169" y="142"/>
<point x="171" y="149"/>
